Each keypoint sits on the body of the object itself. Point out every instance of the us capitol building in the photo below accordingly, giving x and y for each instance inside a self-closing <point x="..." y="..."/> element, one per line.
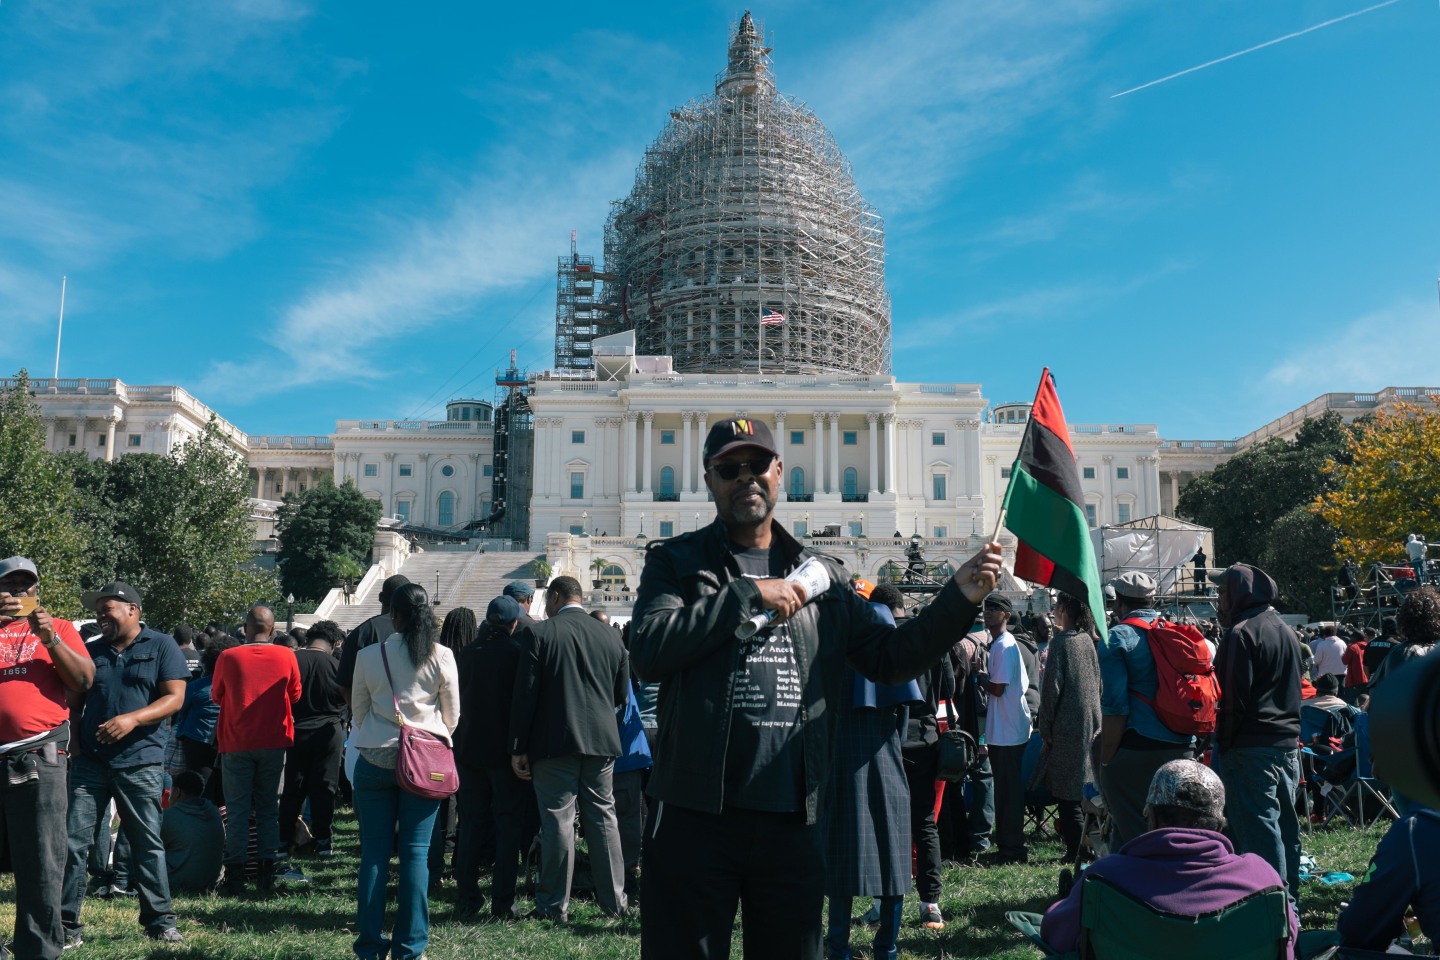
<point x="742" y="276"/>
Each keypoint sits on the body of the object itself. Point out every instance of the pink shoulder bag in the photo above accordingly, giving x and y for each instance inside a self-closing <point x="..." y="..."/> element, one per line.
<point x="425" y="764"/>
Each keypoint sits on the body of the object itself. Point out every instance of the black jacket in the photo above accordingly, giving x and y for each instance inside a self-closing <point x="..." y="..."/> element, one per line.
<point x="1258" y="664"/>
<point x="487" y="668"/>
<point x="572" y="675"/>
<point x="692" y="596"/>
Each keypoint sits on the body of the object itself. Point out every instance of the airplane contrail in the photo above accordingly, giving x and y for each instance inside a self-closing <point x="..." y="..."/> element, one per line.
<point x="1258" y="46"/>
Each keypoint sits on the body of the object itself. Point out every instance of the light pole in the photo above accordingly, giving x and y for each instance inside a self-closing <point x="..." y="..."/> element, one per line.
<point x="807" y="523"/>
<point x="584" y="523"/>
<point x="696" y="525"/>
<point x="289" y="612"/>
<point x="916" y="518"/>
<point x="642" y="523"/>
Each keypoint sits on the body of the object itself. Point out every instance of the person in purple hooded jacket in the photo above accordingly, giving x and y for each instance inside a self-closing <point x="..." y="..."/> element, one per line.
<point x="1181" y="865"/>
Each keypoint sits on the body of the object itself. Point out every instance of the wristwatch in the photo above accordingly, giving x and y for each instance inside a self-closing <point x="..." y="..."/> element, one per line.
<point x="53" y="643"/>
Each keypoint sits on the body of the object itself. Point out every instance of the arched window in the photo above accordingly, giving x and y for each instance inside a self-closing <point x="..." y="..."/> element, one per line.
<point x="445" y="509"/>
<point x="852" y="481"/>
<point x="797" y="481"/>
<point x="613" y="576"/>
<point x="667" y="481"/>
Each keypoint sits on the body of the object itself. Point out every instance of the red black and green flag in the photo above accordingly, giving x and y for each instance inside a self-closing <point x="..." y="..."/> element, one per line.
<point x="1045" y="509"/>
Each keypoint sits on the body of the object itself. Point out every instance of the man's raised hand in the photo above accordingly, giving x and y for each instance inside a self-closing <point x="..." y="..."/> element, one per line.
<point x="979" y="575"/>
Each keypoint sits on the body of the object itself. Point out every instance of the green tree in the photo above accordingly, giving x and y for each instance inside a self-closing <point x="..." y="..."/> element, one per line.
<point x="1388" y="487"/>
<point x="179" y="530"/>
<point x="40" y="510"/>
<point x="1256" y="503"/>
<point x="319" y="527"/>
<point x="1298" y="555"/>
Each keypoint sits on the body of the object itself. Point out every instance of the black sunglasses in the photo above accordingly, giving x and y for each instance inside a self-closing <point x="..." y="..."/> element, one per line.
<point x="729" y="471"/>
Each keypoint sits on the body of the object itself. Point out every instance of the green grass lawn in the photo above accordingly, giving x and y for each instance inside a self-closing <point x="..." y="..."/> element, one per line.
<point x="317" y="920"/>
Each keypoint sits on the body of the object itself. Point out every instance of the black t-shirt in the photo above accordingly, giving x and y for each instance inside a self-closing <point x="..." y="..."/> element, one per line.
<point x="320" y="701"/>
<point x="374" y="630"/>
<point x="765" y="759"/>
<point x="1375" y="653"/>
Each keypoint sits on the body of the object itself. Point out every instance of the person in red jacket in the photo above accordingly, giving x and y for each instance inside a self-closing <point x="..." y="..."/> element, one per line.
<point x="255" y="684"/>
<point x="1357" y="678"/>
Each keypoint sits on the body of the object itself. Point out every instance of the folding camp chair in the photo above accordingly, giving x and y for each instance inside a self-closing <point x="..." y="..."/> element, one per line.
<point x="1362" y="783"/>
<point x="1040" y="808"/>
<point x="1116" y="926"/>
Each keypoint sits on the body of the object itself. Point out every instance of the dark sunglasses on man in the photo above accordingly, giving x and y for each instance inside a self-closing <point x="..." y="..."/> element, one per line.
<point x="730" y="471"/>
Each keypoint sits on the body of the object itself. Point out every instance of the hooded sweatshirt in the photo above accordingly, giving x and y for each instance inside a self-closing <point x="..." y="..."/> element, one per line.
<point x="1188" y="872"/>
<point x="1258" y="664"/>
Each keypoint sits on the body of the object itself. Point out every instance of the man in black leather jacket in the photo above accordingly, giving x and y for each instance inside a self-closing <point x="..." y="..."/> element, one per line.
<point x="745" y="728"/>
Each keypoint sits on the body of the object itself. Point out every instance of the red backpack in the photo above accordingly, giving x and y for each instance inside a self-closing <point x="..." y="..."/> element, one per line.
<point x="1188" y="692"/>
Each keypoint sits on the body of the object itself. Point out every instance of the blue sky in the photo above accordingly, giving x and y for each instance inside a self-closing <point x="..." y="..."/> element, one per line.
<point x="310" y="211"/>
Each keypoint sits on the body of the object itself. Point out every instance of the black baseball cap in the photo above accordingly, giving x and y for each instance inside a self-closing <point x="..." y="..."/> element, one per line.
<point x="998" y="601"/>
<point x="738" y="432"/>
<point x="114" y="590"/>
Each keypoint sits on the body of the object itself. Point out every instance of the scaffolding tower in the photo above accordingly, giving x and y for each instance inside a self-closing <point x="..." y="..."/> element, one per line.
<point x="512" y="467"/>
<point x="580" y="313"/>
<point x="743" y="208"/>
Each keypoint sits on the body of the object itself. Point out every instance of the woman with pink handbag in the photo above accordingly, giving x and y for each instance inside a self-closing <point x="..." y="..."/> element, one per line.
<point x="406" y="703"/>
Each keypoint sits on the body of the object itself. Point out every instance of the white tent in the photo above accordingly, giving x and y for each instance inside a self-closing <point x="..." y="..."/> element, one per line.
<point x="1160" y="546"/>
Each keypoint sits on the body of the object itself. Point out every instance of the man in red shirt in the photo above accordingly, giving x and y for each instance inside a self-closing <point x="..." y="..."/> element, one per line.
<point x="41" y="658"/>
<point x="255" y="684"/>
<point x="1356" y="676"/>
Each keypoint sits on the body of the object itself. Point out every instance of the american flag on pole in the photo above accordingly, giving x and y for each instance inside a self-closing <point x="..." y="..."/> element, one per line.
<point x="771" y="319"/>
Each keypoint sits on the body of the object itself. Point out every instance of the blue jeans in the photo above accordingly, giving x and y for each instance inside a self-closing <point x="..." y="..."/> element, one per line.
<point x="136" y="792"/>
<point x="252" y="785"/>
<point x="381" y="806"/>
<point x="837" y="937"/>
<point x="1260" y="785"/>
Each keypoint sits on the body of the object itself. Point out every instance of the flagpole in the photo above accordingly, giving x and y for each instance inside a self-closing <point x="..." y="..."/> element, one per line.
<point x="760" y="354"/>
<point x="60" y="329"/>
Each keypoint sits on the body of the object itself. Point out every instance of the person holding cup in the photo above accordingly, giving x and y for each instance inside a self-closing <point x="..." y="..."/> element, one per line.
<point x="41" y="658"/>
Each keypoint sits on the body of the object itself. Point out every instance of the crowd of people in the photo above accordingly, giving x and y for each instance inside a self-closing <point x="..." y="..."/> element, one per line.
<point x="712" y="770"/>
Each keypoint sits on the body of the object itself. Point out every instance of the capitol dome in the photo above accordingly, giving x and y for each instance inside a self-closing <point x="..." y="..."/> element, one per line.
<point x="745" y="207"/>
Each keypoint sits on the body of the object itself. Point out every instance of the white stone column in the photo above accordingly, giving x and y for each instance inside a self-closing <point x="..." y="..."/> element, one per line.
<point x="1150" y="484"/>
<point x="834" y="484"/>
<point x="648" y="460"/>
<point x="872" y="420"/>
<point x="818" y="485"/>
<point x="687" y="461"/>
<point x="422" y="516"/>
<point x="890" y="486"/>
<point x="50" y="425"/>
<point x="1175" y="492"/>
<point x="780" y="440"/>
<point x="1107" y="506"/>
<point x="389" y="508"/>
<point x="919" y="482"/>
<point x="702" y="431"/>
<point x="477" y="477"/>
<point x="628" y="487"/>
<point x="110" y="438"/>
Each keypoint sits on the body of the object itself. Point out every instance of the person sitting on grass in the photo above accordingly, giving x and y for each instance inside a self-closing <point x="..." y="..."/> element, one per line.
<point x="1181" y="865"/>
<point x="1403" y="874"/>
<point x="194" y="836"/>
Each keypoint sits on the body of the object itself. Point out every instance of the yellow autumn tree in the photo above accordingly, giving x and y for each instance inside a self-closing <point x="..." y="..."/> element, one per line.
<point x="1389" y="489"/>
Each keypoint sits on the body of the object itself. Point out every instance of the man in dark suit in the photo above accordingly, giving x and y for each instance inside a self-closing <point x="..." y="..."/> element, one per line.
<point x="564" y="738"/>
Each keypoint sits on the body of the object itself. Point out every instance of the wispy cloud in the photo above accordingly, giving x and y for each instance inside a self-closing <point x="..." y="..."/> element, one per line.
<point x="1085" y="201"/>
<point x="914" y="100"/>
<point x="1393" y="345"/>
<point x="111" y="141"/>
<point x="493" y="237"/>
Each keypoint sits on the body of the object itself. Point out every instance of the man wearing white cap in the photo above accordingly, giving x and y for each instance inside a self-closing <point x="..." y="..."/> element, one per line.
<point x="41" y="657"/>
<point x="1134" y="742"/>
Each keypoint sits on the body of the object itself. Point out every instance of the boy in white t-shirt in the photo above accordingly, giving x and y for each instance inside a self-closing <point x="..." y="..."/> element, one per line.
<point x="1007" y="730"/>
